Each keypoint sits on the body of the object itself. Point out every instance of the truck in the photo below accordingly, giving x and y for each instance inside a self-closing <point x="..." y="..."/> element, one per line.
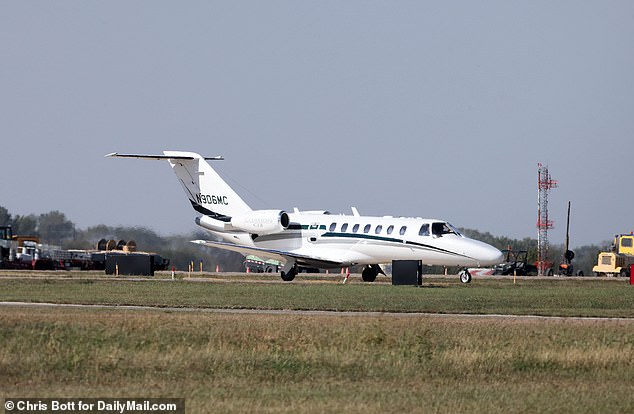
<point x="617" y="261"/>
<point x="24" y="252"/>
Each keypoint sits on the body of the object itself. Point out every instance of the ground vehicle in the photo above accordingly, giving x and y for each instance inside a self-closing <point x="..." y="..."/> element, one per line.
<point x="27" y="253"/>
<point x="515" y="264"/>
<point x="257" y="265"/>
<point x="23" y="252"/>
<point x="566" y="268"/>
<point x="617" y="261"/>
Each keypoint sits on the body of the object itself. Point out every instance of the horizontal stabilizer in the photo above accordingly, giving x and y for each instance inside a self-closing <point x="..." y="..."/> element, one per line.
<point x="161" y="157"/>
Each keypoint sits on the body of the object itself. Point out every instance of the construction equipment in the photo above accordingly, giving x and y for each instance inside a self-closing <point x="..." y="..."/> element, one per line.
<point x="617" y="261"/>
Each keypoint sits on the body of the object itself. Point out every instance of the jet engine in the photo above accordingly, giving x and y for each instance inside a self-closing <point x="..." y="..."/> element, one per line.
<point x="261" y="221"/>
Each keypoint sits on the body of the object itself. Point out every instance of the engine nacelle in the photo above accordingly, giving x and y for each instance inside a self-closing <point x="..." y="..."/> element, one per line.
<point x="261" y="222"/>
<point x="211" y="224"/>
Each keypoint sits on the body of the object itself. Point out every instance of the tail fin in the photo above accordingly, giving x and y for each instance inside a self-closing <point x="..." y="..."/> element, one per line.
<point x="208" y="193"/>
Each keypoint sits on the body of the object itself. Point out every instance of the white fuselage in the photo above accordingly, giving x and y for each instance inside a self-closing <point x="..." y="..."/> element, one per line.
<point x="370" y="240"/>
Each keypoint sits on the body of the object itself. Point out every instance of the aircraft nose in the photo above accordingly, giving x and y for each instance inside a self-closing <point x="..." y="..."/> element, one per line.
<point x="482" y="254"/>
<point x="490" y="256"/>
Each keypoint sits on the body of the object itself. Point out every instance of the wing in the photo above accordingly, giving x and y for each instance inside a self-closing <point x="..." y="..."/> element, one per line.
<point x="279" y="255"/>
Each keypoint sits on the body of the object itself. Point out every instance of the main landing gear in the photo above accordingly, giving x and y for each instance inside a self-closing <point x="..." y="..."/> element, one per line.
<point x="370" y="272"/>
<point x="289" y="273"/>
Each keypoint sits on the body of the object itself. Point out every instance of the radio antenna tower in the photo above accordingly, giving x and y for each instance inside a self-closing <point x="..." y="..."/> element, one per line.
<point x="544" y="184"/>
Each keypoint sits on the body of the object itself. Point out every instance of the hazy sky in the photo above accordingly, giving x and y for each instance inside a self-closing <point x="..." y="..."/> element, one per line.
<point x="416" y="108"/>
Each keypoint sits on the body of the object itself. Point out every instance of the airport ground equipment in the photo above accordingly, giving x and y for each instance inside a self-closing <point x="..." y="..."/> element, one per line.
<point x="26" y="252"/>
<point x="566" y="267"/>
<point x="137" y="264"/>
<point x="20" y="252"/>
<point x="407" y="272"/>
<point x="618" y="260"/>
<point x="256" y="264"/>
<point x="515" y="264"/>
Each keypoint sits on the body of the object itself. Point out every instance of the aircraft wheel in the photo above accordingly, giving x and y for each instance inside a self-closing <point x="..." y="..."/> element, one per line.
<point x="465" y="276"/>
<point x="290" y="275"/>
<point x="369" y="274"/>
<point x="287" y="277"/>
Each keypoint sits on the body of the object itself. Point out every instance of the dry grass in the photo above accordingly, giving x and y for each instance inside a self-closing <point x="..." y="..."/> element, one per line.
<point x="257" y="363"/>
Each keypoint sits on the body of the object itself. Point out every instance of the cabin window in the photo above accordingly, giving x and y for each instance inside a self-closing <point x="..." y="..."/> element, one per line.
<point x="355" y="228"/>
<point x="626" y="242"/>
<point x="366" y="229"/>
<point x="333" y="226"/>
<point x="344" y="227"/>
<point x="424" y="230"/>
<point x="378" y="229"/>
<point x="403" y="230"/>
<point x="390" y="229"/>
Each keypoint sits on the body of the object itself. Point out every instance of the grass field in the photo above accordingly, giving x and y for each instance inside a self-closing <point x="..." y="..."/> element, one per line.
<point x="311" y="364"/>
<point x="549" y="297"/>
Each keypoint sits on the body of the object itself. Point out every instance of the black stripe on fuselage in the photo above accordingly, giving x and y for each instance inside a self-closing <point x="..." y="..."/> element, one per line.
<point x="207" y="212"/>
<point x="393" y="240"/>
<point x="281" y="236"/>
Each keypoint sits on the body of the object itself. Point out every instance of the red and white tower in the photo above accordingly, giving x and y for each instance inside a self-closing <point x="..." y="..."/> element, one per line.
<point x="544" y="184"/>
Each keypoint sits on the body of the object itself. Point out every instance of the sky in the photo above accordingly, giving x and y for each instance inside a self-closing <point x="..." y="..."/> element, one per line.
<point x="404" y="108"/>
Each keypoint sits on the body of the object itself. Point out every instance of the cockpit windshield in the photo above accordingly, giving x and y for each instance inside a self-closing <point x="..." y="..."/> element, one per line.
<point x="439" y="229"/>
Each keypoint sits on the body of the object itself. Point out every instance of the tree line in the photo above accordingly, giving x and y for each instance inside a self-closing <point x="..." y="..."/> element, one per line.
<point x="55" y="228"/>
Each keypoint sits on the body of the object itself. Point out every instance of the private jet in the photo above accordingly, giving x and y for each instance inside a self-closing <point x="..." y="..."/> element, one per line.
<point x="317" y="239"/>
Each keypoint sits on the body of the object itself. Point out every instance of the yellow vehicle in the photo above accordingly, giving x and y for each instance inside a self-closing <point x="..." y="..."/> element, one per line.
<point x="617" y="262"/>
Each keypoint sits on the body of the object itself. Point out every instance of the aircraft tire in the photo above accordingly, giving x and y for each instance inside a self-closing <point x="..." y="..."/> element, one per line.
<point x="465" y="276"/>
<point x="287" y="277"/>
<point x="369" y="274"/>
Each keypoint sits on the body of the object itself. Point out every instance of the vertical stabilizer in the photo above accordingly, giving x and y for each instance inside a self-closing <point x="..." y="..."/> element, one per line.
<point x="208" y="193"/>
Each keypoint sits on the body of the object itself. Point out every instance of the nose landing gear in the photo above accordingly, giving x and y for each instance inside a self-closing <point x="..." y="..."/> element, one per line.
<point x="465" y="276"/>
